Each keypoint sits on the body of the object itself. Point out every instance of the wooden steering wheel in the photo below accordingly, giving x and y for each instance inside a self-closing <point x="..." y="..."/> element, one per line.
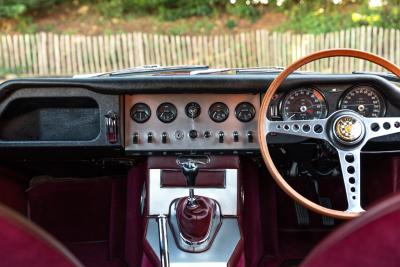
<point x="345" y="130"/>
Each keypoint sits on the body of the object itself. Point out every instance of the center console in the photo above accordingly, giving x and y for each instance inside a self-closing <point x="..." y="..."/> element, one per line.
<point x="193" y="208"/>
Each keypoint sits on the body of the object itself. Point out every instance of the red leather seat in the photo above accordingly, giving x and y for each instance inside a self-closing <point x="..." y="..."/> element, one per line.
<point x="22" y="243"/>
<point x="370" y="240"/>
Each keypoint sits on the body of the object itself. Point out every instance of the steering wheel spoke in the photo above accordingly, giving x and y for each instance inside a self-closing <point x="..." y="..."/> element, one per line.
<point x="376" y="127"/>
<point x="351" y="173"/>
<point x="304" y="128"/>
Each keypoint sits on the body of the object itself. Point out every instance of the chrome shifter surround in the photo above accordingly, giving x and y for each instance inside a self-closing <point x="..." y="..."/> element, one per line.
<point x="224" y="242"/>
<point x="194" y="247"/>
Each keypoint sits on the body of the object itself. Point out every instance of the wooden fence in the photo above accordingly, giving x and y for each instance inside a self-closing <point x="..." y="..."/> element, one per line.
<point x="47" y="54"/>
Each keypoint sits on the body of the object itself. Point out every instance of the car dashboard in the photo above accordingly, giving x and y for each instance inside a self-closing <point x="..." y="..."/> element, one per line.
<point x="212" y="114"/>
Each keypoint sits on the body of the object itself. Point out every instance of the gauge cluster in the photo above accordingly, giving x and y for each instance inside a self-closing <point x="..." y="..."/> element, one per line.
<point x="181" y="122"/>
<point x="307" y="103"/>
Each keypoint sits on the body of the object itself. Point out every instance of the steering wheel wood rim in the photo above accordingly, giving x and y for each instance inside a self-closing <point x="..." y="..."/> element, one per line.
<point x="273" y="88"/>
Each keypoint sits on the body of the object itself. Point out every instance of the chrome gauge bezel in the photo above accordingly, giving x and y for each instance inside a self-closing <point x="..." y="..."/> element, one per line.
<point x="172" y="109"/>
<point x="372" y="88"/>
<point x="237" y="111"/>
<point x="225" y="109"/>
<point x="314" y="89"/>
<point x="133" y="110"/>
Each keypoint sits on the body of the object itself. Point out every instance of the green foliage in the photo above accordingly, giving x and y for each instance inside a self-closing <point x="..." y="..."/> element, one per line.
<point x="306" y="16"/>
<point x="165" y="9"/>
<point x="111" y="8"/>
<point x="170" y="10"/>
<point x="14" y="9"/>
<point x="230" y="24"/>
<point x="176" y="9"/>
<point x="242" y="10"/>
<point x="199" y="26"/>
<point x="321" y="16"/>
<point x="386" y="16"/>
<point x="316" y="22"/>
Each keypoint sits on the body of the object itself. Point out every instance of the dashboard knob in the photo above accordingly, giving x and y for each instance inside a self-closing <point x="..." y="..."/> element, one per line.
<point x="193" y="134"/>
<point x="207" y="134"/>
<point x="135" y="138"/>
<point x="164" y="137"/>
<point x="250" y="136"/>
<point x="150" y="137"/>
<point x="221" y="136"/>
<point x="235" y="136"/>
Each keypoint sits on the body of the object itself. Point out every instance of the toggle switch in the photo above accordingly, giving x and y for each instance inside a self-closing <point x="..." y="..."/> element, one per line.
<point x="135" y="138"/>
<point x="164" y="137"/>
<point x="221" y="136"/>
<point x="235" y="136"/>
<point x="150" y="137"/>
<point x="250" y="136"/>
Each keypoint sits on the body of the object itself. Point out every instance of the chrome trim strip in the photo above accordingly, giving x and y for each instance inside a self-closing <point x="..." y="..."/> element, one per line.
<point x="163" y="240"/>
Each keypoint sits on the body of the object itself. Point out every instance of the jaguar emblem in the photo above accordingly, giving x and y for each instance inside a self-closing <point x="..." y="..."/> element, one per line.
<point x="348" y="128"/>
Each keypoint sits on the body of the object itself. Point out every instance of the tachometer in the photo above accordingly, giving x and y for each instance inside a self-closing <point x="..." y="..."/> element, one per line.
<point x="304" y="104"/>
<point x="365" y="100"/>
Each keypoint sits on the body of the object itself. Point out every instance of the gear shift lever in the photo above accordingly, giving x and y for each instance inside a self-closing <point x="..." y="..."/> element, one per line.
<point x="196" y="216"/>
<point x="190" y="169"/>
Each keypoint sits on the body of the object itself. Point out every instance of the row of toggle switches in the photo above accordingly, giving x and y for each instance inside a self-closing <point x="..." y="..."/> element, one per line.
<point x="193" y="134"/>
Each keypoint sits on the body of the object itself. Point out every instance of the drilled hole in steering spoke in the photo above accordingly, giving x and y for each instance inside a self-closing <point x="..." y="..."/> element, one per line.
<point x="295" y="127"/>
<point x="286" y="127"/>
<point x="351" y="170"/>
<point x="353" y="189"/>
<point x="306" y="128"/>
<point x="318" y="128"/>
<point x="349" y="158"/>
<point x="386" y="126"/>
<point x="375" y="127"/>
<point x="352" y="180"/>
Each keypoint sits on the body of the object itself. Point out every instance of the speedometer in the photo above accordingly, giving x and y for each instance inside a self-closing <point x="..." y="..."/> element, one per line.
<point x="304" y="104"/>
<point x="365" y="100"/>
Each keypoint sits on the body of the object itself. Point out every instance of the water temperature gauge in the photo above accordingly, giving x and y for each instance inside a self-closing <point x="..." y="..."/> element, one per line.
<point x="218" y="112"/>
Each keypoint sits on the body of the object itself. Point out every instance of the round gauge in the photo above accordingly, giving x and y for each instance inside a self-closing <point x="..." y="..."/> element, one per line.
<point x="364" y="100"/>
<point x="304" y="104"/>
<point x="167" y="112"/>
<point x="245" y="112"/>
<point x="140" y="112"/>
<point x="193" y="110"/>
<point x="218" y="112"/>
